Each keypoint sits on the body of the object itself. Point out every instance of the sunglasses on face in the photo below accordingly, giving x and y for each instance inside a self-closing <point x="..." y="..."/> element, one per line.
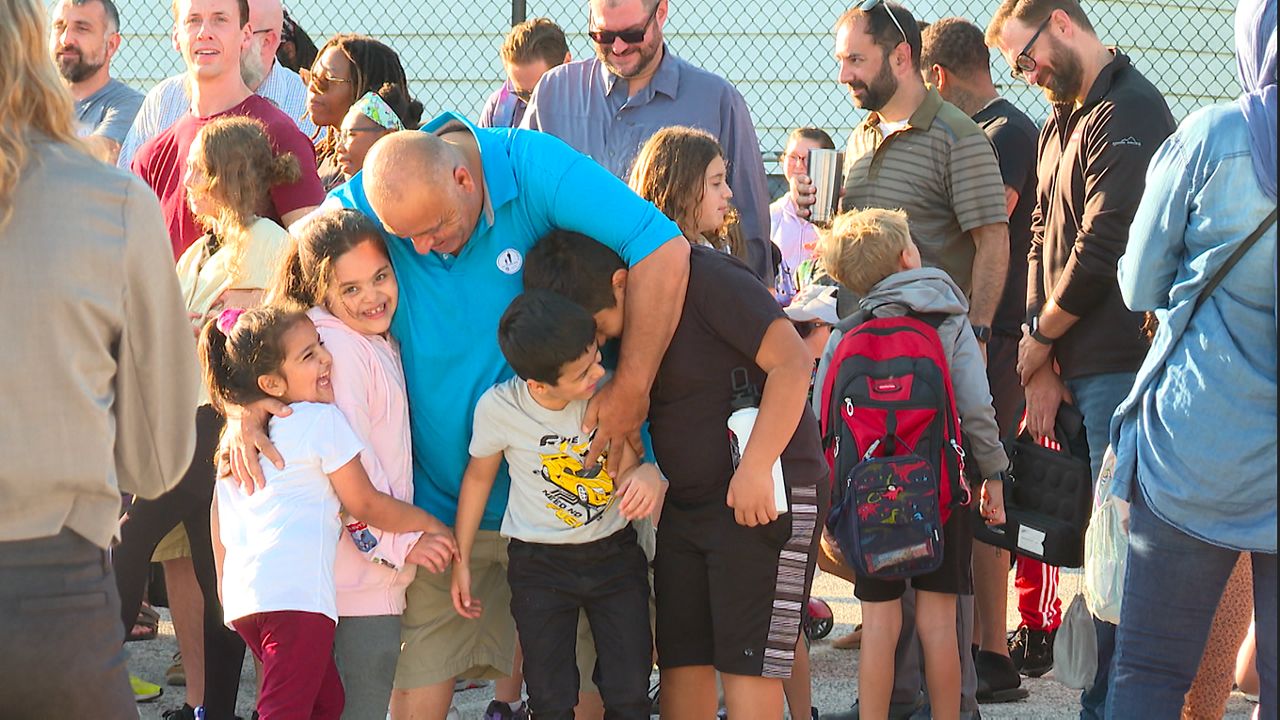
<point x="630" y="37"/>
<point x="1024" y="63"/>
<point x="869" y="5"/>
<point x="809" y="327"/>
<point x="320" y="80"/>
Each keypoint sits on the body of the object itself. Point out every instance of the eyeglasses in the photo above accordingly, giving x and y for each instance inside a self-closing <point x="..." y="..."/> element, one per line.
<point x="1024" y="63"/>
<point x="349" y="134"/>
<point x="320" y="82"/>
<point x="805" y="329"/>
<point x="525" y="95"/>
<point x="869" y="5"/>
<point x="630" y="37"/>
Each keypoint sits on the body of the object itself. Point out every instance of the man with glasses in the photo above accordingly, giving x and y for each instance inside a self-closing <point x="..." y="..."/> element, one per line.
<point x="531" y="49"/>
<point x="917" y="152"/>
<point x="608" y="106"/>
<point x="84" y="36"/>
<point x="170" y="98"/>
<point x="1082" y="343"/>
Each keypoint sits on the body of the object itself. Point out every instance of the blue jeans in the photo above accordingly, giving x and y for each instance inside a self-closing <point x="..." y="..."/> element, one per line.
<point x="1096" y="396"/>
<point x="1172" y="585"/>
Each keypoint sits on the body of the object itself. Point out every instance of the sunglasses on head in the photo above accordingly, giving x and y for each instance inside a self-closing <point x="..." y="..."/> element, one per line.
<point x="808" y="327"/>
<point x="869" y="5"/>
<point x="630" y="37"/>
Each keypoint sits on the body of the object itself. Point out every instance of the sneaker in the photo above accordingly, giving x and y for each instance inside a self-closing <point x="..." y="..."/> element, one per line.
<point x="144" y="691"/>
<point x="499" y="710"/>
<point x="1032" y="651"/>
<point x="924" y="714"/>
<point x="897" y="711"/>
<point x="186" y="712"/>
<point x="998" y="679"/>
<point x="176" y="674"/>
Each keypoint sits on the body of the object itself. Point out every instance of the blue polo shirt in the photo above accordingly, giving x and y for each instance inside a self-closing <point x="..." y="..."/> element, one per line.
<point x="447" y="317"/>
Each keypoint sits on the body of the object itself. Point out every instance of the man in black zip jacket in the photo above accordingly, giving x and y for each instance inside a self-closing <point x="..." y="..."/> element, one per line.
<point x="1081" y="343"/>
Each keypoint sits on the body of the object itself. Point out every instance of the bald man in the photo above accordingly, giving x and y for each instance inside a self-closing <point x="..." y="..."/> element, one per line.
<point x="461" y="206"/>
<point x="169" y="100"/>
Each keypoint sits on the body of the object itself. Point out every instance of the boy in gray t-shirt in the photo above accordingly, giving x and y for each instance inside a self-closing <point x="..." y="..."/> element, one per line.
<point x="572" y="548"/>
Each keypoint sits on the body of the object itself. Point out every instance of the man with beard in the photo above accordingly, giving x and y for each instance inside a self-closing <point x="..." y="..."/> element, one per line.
<point x="608" y="106"/>
<point x="170" y="98"/>
<point x="917" y="152"/>
<point x="1082" y="343"/>
<point x="84" y="36"/>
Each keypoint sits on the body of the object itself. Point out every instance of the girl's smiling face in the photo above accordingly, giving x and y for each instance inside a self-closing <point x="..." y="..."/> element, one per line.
<point x="304" y="376"/>
<point x="715" y="197"/>
<point x="362" y="291"/>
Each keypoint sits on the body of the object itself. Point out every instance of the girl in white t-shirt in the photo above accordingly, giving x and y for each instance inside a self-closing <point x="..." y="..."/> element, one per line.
<point x="275" y="548"/>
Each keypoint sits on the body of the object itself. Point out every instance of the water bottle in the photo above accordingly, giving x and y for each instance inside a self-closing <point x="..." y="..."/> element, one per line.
<point x="361" y="536"/>
<point x="744" y="408"/>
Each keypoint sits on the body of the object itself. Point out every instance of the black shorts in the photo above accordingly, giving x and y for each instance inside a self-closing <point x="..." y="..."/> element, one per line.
<point x="731" y="596"/>
<point x="952" y="577"/>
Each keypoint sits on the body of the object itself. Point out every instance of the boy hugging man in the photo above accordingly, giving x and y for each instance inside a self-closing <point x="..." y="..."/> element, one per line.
<point x="571" y="547"/>
<point x="871" y="253"/>
<point x="731" y="573"/>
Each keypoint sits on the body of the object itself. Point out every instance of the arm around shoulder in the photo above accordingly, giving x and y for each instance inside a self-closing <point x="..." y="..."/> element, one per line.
<point x="156" y="375"/>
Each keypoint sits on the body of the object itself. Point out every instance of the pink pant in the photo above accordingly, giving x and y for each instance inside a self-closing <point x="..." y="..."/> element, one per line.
<point x="299" y="678"/>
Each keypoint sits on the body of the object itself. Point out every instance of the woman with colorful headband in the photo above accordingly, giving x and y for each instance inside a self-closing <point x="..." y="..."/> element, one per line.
<point x="373" y="116"/>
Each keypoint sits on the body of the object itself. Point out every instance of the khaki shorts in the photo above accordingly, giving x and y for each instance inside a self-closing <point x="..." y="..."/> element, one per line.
<point x="173" y="546"/>
<point x="438" y="644"/>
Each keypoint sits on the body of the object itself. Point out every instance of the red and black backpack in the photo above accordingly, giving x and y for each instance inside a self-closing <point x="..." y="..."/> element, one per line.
<point x="892" y="438"/>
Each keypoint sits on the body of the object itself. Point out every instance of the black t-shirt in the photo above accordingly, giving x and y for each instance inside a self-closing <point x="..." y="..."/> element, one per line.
<point x="1014" y="136"/>
<point x="727" y="311"/>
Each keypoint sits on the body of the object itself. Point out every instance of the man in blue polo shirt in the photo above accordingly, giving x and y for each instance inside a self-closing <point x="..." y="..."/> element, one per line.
<point x="461" y="206"/>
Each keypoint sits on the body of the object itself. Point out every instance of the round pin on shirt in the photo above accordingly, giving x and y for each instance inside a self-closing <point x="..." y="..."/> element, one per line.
<point x="510" y="261"/>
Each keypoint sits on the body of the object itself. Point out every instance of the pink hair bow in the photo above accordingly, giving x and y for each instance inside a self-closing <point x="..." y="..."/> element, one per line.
<point x="227" y="319"/>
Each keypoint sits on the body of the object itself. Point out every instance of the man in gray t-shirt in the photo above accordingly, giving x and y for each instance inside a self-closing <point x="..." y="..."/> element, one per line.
<point x="83" y="37"/>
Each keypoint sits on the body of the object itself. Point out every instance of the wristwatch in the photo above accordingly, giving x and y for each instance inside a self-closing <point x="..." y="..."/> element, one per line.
<point x="983" y="333"/>
<point x="1039" y="336"/>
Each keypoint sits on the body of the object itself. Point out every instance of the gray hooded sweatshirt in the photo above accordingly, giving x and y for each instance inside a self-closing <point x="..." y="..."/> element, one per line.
<point x="930" y="290"/>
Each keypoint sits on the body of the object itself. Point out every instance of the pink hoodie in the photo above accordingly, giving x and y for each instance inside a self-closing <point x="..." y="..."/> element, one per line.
<point x="368" y="386"/>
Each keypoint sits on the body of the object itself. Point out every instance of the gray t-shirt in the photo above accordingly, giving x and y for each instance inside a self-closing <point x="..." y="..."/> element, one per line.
<point x="553" y="499"/>
<point x="108" y="112"/>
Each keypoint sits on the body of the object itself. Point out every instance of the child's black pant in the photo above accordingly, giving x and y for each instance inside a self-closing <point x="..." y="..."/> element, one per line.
<point x="609" y="579"/>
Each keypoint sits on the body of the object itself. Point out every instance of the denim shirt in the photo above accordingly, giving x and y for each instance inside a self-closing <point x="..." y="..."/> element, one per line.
<point x="1198" y="431"/>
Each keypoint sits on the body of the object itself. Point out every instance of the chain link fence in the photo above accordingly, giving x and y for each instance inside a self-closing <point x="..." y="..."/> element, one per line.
<point x="779" y="55"/>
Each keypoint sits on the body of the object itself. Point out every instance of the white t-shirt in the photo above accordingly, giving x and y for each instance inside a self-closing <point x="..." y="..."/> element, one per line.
<point x="553" y="500"/>
<point x="281" y="541"/>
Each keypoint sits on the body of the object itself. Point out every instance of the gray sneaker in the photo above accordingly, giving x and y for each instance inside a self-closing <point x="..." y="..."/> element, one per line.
<point x="502" y="711"/>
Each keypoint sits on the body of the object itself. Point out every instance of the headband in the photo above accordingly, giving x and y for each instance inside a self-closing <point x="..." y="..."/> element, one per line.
<point x="227" y="319"/>
<point x="376" y="109"/>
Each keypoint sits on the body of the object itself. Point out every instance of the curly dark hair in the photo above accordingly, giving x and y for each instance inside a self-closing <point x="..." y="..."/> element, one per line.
<point x="957" y="45"/>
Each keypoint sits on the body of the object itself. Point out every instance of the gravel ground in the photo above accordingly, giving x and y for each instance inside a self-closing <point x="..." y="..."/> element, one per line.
<point x="834" y="671"/>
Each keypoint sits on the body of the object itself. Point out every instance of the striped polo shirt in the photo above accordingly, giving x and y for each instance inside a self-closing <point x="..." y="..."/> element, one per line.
<point x="941" y="170"/>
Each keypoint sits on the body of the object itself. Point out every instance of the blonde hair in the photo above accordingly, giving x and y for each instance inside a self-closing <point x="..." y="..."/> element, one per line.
<point x="33" y="99"/>
<point x="864" y="247"/>
<point x="670" y="172"/>
<point x="239" y="168"/>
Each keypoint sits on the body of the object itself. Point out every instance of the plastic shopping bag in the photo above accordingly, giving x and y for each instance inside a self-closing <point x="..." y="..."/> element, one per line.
<point x="1106" y="546"/>
<point x="1075" y="649"/>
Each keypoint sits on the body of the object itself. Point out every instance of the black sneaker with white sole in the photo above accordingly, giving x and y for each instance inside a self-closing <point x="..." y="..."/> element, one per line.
<point x="1032" y="650"/>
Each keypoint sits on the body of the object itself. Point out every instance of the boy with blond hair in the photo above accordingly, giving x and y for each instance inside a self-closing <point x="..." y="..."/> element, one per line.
<point x="871" y="253"/>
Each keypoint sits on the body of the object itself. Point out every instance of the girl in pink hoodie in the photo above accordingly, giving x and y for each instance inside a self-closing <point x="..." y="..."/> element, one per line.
<point x="339" y="268"/>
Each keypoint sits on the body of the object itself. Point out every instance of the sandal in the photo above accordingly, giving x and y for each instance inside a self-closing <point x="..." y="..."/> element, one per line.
<point x="146" y="627"/>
